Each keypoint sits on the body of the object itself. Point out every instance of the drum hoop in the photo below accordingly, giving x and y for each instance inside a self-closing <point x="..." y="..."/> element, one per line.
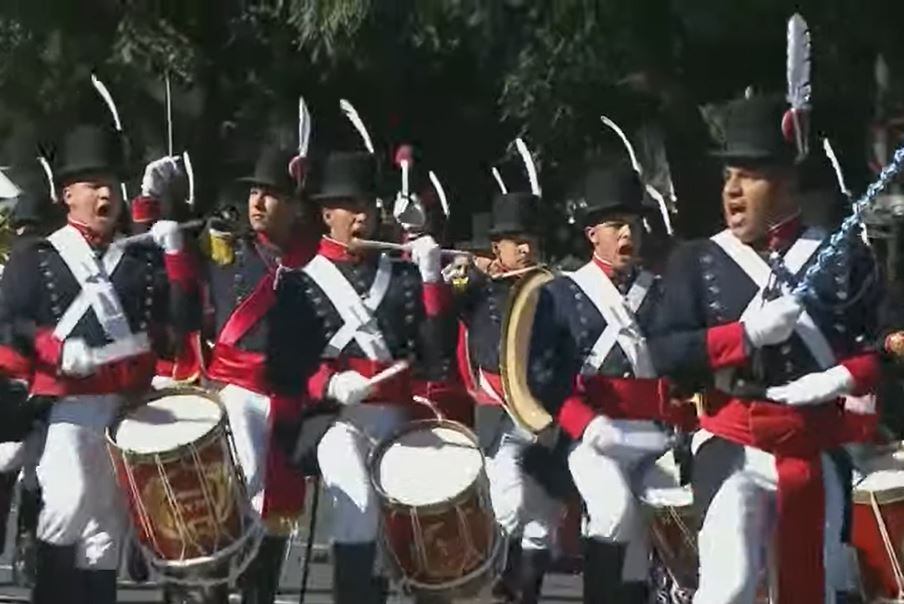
<point x="893" y="495"/>
<point x="377" y="452"/>
<point x="253" y="537"/>
<point x="176" y="453"/>
<point x="408" y="585"/>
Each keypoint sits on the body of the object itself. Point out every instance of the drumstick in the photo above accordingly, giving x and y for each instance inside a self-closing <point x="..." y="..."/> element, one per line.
<point x="142" y="237"/>
<point x="399" y="247"/>
<point x="388" y="373"/>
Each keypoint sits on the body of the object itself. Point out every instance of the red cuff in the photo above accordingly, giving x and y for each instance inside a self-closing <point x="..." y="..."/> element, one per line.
<point x="318" y="382"/>
<point x="13" y="365"/>
<point x="48" y="349"/>
<point x="180" y="268"/>
<point x="574" y="416"/>
<point x="866" y="372"/>
<point x="725" y="345"/>
<point x="145" y="209"/>
<point x="437" y="298"/>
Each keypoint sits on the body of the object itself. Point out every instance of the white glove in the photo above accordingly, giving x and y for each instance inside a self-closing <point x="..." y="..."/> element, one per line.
<point x="425" y="253"/>
<point x="348" y="388"/>
<point x="159" y="176"/>
<point x="77" y="360"/>
<point x="167" y="235"/>
<point x="607" y="435"/>
<point x="814" y="388"/>
<point x="409" y="212"/>
<point x="772" y="323"/>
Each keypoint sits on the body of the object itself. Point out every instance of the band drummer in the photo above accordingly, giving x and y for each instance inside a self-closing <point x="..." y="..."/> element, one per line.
<point x="524" y="510"/>
<point x="83" y="312"/>
<point x="344" y="318"/>
<point x="590" y="367"/>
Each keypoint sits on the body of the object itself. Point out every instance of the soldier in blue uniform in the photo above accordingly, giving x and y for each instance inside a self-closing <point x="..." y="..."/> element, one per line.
<point x="778" y="373"/>
<point x="525" y="511"/>
<point x="592" y="369"/>
<point x="340" y="320"/>
<point x="83" y="314"/>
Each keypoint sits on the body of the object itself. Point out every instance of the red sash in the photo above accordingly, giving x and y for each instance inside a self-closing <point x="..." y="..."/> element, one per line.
<point x="796" y="436"/>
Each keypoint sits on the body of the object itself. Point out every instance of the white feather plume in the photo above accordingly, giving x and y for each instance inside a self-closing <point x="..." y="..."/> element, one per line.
<point x="440" y="192"/>
<point x="663" y="207"/>
<point x="190" y="176"/>
<point x="357" y="122"/>
<point x="45" y="165"/>
<point x="169" y="113"/>
<point x="304" y="127"/>
<point x="108" y="99"/>
<point x="529" y="166"/>
<point x="798" y="68"/>
<point x="624" y="138"/>
<point x="499" y="181"/>
<point x="836" y="165"/>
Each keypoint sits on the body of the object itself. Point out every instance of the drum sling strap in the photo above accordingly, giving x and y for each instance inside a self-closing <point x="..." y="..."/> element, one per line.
<point x="98" y="294"/>
<point x="759" y="272"/>
<point x="356" y="311"/>
<point x="618" y="312"/>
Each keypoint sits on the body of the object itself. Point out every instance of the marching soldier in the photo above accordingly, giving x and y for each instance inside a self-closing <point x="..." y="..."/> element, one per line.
<point x="778" y="372"/>
<point x="591" y="368"/>
<point x="240" y="293"/>
<point x="78" y="314"/>
<point x="339" y="321"/>
<point x="524" y="510"/>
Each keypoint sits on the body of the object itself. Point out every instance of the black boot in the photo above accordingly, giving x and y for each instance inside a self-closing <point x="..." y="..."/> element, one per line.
<point x="260" y="582"/>
<point x="534" y="564"/>
<point x="353" y="569"/>
<point x="636" y="592"/>
<point x="26" y="537"/>
<point x="505" y="589"/>
<point x="7" y="492"/>
<point x="603" y="562"/>
<point x="56" y="579"/>
<point x="100" y="586"/>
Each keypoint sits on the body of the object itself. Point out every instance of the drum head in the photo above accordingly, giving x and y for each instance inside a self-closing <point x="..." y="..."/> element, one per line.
<point x="428" y="465"/>
<point x="167" y="423"/>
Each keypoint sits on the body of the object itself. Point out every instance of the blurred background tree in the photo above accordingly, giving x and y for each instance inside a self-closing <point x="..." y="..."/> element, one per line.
<point x="458" y="78"/>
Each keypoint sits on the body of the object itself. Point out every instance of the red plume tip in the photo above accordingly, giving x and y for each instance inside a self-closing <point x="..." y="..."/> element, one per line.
<point x="404" y="153"/>
<point x="788" y="124"/>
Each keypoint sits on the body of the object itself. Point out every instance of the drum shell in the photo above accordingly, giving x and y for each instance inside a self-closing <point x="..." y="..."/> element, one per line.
<point x="877" y="576"/>
<point x="185" y="471"/>
<point x="438" y="543"/>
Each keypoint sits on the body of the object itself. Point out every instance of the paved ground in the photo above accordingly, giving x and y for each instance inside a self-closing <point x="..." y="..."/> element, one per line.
<point x="558" y="588"/>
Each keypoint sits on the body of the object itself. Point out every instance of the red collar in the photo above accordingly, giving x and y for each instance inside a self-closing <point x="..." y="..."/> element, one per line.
<point x="336" y="251"/>
<point x="300" y="249"/>
<point x="95" y="240"/>
<point x="780" y="236"/>
<point x="616" y="277"/>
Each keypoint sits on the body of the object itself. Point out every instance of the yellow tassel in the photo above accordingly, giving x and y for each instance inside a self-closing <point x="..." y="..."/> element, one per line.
<point x="220" y="247"/>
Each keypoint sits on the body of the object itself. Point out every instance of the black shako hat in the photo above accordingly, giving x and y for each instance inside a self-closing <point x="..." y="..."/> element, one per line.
<point x="758" y="130"/>
<point x="607" y="189"/>
<point x="89" y="149"/>
<point x="514" y="213"/>
<point x="272" y="170"/>
<point x="343" y="175"/>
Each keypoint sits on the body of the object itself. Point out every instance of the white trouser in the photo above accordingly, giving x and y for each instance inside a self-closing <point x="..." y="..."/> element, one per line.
<point x="614" y="514"/>
<point x="520" y="504"/>
<point x="24" y="456"/>
<point x="83" y="504"/>
<point x="249" y="420"/>
<point x="738" y="530"/>
<point x="342" y="455"/>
